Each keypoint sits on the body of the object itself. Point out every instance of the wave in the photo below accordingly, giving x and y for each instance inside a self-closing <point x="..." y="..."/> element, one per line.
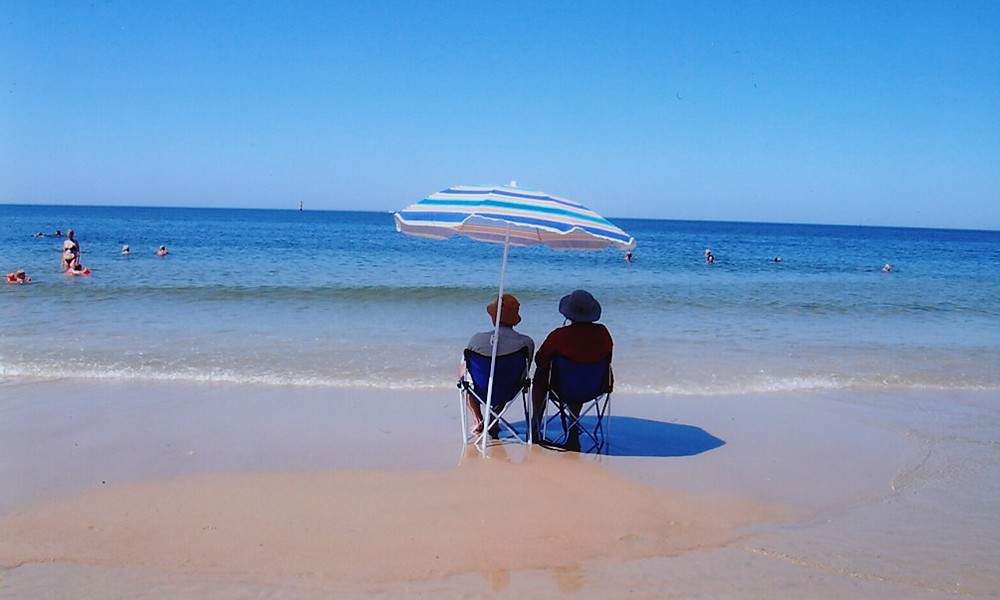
<point x="435" y="382"/>
<point x="734" y="303"/>
<point x="281" y="293"/>
<point x="804" y="384"/>
<point x="16" y="373"/>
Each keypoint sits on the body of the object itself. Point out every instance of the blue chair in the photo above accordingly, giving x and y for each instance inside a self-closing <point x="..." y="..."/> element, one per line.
<point x="580" y="393"/>
<point x="510" y="380"/>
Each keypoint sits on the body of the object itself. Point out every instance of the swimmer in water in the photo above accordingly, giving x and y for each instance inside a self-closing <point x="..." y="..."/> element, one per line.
<point x="18" y="277"/>
<point x="78" y="270"/>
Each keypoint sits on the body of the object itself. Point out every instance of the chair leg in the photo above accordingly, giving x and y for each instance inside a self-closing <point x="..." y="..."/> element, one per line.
<point x="573" y="427"/>
<point x="495" y="423"/>
<point x="465" y="404"/>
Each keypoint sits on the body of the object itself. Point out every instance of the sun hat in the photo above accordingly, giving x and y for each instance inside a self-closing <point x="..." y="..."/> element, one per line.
<point x="580" y="306"/>
<point x="509" y="314"/>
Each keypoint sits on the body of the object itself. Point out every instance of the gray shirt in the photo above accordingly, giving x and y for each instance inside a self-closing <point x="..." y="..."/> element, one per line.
<point x="510" y="341"/>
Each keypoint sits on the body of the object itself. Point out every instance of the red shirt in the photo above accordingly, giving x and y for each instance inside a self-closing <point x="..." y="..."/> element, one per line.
<point x="579" y="342"/>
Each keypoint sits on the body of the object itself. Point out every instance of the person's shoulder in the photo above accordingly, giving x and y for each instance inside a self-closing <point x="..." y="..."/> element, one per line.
<point x="560" y="336"/>
<point x="478" y="339"/>
<point x="603" y="329"/>
<point x="526" y="342"/>
<point x="556" y="333"/>
<point x="593" y="330"/>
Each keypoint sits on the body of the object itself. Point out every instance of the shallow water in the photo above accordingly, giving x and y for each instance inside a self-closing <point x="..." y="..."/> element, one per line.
<point x="341" y="299"/>
<point x="934" y="530"/>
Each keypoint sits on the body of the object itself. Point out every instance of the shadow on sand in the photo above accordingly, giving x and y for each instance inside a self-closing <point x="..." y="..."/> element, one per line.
<point x="630" y="436"/>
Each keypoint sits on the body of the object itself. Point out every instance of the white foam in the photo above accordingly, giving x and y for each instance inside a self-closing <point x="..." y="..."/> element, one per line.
<point x="736" y="385"/>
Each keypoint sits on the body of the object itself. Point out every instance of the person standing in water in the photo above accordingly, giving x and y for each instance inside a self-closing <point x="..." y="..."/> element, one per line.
<point x="71" y="251"/>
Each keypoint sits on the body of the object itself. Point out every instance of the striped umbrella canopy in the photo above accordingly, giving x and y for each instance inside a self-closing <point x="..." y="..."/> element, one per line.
<point x="509" y="215"/>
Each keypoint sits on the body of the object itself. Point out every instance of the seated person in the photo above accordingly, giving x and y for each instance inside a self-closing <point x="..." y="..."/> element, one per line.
<point x="582" y="340"/>
<point x="18" y="277"/>
<point x="508" y="342"/>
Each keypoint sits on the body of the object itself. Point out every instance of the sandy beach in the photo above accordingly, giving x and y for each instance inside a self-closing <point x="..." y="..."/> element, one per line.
<point x="237" y="491"/>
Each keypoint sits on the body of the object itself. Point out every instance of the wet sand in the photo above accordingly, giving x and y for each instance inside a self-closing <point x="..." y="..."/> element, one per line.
<point x="235" y="491"/>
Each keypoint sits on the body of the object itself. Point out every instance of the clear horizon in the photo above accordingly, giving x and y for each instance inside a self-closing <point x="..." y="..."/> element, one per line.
<point x="847" y="114"/>
<point x="613" y="218"/>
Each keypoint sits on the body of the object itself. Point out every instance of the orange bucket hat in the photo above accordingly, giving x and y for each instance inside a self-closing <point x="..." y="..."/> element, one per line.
<point x="509" y="314"/>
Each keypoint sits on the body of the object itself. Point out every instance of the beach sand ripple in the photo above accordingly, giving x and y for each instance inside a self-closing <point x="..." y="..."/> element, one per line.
<point x="375" y="525"/>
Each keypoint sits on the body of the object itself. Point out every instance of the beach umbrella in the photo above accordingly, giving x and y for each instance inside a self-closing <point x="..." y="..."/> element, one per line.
<point x="510" y="215"/>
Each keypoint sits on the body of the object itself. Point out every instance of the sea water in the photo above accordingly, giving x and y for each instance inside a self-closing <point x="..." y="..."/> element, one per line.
<point x="339" y="299"/>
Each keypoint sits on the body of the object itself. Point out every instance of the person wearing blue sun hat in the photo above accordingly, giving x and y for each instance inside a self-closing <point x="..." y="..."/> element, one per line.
<point x="582" y="339"/>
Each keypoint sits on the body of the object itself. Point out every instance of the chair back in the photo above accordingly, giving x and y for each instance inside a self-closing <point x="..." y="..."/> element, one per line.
<point x="509" y="381"/>
<point x="575" y="383"/>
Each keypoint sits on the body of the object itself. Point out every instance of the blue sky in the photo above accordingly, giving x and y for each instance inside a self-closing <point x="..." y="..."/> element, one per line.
<point x="878" y="113"/>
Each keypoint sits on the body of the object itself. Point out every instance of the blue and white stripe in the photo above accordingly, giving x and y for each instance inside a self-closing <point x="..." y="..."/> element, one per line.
<point x="527" y="217"/>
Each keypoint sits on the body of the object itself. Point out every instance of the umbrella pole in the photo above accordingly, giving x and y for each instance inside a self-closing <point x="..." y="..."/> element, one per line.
<point x="488" y="412"/>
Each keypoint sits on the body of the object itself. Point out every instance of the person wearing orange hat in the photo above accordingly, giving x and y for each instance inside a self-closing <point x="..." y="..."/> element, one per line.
<point x="508" y="342"/>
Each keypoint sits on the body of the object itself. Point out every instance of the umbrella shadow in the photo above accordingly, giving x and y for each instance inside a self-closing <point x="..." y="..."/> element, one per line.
<point x="631" y="436"/>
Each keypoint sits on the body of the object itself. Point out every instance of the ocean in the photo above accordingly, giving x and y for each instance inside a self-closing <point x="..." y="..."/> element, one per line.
<point x="340" y="299"/>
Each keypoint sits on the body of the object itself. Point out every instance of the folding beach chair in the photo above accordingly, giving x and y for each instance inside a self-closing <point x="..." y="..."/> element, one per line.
<point x="580" y="393"/>
<point x="510" y="380"/>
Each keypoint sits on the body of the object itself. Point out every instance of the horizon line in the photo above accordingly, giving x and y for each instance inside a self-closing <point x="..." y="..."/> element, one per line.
<point x="296" y="208"/>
